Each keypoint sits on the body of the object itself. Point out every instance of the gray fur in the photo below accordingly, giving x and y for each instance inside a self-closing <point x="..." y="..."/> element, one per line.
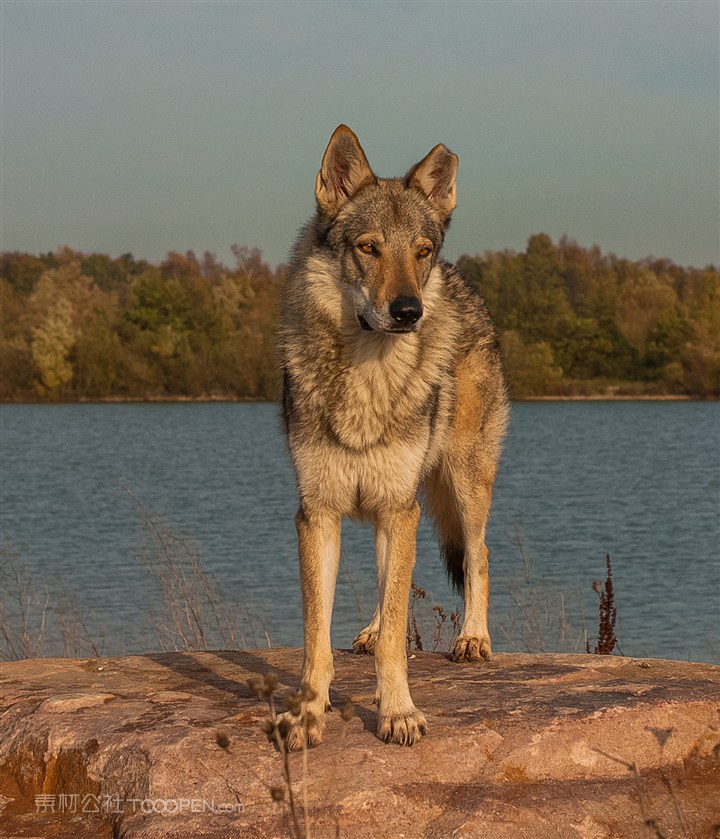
<point x="378" y="412"/>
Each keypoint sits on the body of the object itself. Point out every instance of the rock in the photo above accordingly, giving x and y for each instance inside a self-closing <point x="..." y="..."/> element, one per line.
<point x="63" y="704"/>
<point x="536" y="746"/>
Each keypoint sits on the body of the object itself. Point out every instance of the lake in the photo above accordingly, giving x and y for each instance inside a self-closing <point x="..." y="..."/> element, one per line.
<point x="578" y="480"/>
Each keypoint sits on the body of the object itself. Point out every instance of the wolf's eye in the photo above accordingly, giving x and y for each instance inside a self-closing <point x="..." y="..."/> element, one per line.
<point x="366" y="247"/>
<point x="424" y="251"/>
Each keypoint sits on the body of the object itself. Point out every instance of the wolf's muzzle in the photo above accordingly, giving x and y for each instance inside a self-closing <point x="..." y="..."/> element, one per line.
<point x="406" y="311"/>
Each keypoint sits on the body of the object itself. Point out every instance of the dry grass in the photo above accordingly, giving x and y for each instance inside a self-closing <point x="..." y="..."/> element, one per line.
<point x="540" y="621"/>
<point x="36" y="623"/>
<point x="542" y="618"/>
<point x="277" y="728"/>
<point x="429" y="619"/>
<point x="191" y="613"/>
<point x="24" y="611"/>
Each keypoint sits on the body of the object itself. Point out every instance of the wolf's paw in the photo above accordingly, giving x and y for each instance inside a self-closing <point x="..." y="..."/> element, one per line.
<point x="404" y="729"/>
<point x="297" y="731"/>
<point x="471" y="648"/>
<point x="364" y="642"/>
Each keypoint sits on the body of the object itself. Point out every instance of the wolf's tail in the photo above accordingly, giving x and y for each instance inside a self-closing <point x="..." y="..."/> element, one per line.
<point x="454" y="556"/>
<point x="440" y="505"/>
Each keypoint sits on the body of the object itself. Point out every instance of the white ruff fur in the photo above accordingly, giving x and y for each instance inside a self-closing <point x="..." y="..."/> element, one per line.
<point x="381" y="381"/>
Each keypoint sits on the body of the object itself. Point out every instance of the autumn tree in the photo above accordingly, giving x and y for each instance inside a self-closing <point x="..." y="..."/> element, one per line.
<point x="569" y="319"/>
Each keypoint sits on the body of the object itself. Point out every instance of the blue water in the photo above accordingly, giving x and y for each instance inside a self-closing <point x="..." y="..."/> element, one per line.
<point x="637" y="480"/>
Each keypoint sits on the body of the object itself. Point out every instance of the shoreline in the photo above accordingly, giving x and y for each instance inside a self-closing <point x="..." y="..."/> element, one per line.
<point x="185" y="400"/>
<point x="604" y="397"/>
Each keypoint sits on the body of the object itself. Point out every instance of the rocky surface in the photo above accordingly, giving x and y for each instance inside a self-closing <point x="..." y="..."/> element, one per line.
<point x="536" y="746"/>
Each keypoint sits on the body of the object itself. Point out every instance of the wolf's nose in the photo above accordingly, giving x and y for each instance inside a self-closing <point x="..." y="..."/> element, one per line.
<point x="406" y="310"/>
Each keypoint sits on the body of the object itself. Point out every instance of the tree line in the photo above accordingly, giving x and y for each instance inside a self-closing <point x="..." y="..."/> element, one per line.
<point x="571" y="321"/>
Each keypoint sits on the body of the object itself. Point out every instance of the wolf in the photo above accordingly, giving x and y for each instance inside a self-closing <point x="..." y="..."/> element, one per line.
<point x="393" y="391"/>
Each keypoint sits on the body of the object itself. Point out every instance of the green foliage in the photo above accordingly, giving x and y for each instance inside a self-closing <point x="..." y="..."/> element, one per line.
<point x="575" y="321"/>
<point x="76" y="326"/>
<point x="530" y="367"/>
<point x="98" y="355"/>
<point x="21" y="271"/>
<point x="51" y="343"/>
<point x="585" y="349"/>
<point x="571" y="320"/>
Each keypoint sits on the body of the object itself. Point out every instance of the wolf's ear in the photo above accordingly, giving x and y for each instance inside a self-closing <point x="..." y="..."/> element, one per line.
<point x="434" y="176"/>
<point x="343" y="172"/>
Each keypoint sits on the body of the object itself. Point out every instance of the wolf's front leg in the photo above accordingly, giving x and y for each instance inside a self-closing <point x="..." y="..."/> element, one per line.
<point x="399" y="721"/>
<point x="319" y="549"/>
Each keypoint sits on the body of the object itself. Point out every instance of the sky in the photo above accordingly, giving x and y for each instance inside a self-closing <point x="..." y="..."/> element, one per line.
<point x="148" y="126"/>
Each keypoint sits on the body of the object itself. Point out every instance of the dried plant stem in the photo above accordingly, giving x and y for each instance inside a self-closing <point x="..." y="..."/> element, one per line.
<point x="413" y="633"/>
<point x="304" y="783"/>
<point x="33" y="623"/>
<point x="192" y="614"/>
<point x="607" y="614"/>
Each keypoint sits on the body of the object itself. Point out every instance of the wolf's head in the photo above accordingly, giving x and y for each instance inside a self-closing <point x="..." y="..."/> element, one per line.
<point x="385" y="233"/>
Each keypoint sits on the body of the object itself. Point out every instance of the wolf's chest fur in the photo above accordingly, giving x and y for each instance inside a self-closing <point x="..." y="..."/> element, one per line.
<point x="363" y="435"/>
<point x="378" y="389"/>
<point x="385" y="390"/>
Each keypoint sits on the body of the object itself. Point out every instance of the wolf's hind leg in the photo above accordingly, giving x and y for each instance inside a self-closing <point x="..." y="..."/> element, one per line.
<point x="319" y="548"/>
<point x="366" y="640"/>
<point x="460" y="510"/>
<point x="473" y="642"/>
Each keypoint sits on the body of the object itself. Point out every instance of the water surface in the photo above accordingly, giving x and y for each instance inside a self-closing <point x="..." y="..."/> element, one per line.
<point x="578" y="480"/>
